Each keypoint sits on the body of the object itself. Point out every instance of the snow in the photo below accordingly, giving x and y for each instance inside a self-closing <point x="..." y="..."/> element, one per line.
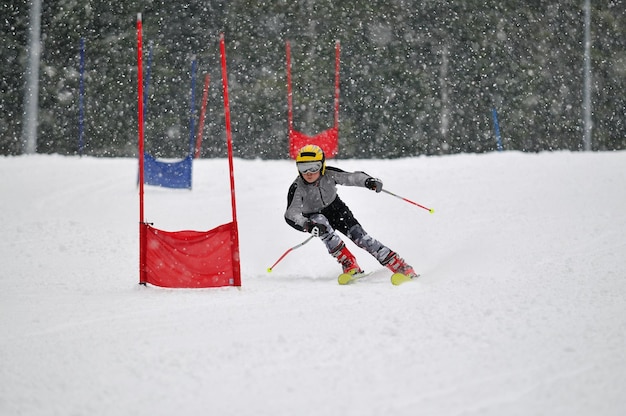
<point x="520" y="309"/>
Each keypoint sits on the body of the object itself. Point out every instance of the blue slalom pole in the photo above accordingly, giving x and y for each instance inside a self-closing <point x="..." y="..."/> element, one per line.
<point x="81" y="95"/>
<point x="497" y="128"/>
<point x="191" y="106"/>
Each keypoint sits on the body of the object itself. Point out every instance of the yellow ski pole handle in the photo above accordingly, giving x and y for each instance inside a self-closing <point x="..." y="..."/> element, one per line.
<point x="269" y="269"/>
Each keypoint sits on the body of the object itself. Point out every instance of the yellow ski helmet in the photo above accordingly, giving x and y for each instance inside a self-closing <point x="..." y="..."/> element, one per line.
<point x="311" y="153"/>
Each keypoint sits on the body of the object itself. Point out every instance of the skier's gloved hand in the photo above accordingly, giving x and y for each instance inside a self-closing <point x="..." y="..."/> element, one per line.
<point x="314" y="228"/>
<point x="374" y="184"/>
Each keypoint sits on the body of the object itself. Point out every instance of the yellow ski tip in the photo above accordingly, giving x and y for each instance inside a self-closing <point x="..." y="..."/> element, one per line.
<point x="344" y="278"/>
<point x="399" y="278"/>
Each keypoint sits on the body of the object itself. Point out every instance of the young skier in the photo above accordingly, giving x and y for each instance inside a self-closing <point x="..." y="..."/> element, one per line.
<point x="313" y="206"/>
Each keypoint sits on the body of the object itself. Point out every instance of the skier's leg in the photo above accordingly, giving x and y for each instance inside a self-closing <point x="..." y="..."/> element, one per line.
<point x="335" y="246"/>
<point x="382" y="253"/>
<point x="368" y="243"/>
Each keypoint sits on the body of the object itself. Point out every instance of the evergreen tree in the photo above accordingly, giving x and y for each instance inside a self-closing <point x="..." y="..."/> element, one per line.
<point x="416" y="78"/>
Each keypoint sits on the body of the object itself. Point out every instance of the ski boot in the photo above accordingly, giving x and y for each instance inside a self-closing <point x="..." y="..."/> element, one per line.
<point x="402" y="272"/>
<point x="348" y="262"/>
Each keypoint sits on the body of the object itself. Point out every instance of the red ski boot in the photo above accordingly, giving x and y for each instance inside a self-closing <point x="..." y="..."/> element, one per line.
<point x="348" y="262"/>
<point x="402" y="272"/>
<point x="346" y="259"/>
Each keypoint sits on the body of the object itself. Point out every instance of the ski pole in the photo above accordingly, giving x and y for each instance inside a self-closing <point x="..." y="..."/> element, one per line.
<point x="409" y="201"/>
<point x="269" y="269"/>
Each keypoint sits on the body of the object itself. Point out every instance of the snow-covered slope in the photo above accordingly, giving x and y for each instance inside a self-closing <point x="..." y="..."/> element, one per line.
<point x="520" y="310"/>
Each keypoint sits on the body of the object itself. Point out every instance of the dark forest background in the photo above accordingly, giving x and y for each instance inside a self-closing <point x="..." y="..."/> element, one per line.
<point x="416" y="77"/>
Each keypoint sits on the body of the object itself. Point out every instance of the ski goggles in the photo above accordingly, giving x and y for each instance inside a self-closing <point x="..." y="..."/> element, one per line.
<point x="309" y="167"/>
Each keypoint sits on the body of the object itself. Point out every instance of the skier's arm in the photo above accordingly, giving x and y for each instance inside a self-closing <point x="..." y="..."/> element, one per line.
<point x="293" y="214"/>
<point x="355" y="179"/>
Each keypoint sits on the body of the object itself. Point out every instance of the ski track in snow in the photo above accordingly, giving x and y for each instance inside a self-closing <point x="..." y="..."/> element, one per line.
<point x="519" y="309"/>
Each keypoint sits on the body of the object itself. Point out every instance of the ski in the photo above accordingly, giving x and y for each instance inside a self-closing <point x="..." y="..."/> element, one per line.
<point x="399" y="278"/>
<point x="347" y="278"/>
<point x="396" y="279"/>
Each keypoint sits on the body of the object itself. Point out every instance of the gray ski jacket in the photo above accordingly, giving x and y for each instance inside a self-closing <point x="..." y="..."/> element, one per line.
<point x="310" y="198"/>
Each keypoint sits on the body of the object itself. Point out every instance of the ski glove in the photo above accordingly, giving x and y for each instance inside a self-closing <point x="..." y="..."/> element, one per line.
<point x="374" y="184"/>
<point x="314" y="228"/>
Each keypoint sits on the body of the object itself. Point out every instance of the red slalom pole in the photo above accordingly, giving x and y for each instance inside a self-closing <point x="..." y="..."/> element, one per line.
<point x="229" y="142"/>
<point x="337" y="85"/>
<point x="409" y="201"/>
<point x="142" y="224"/>
<point x="289" y="94"/>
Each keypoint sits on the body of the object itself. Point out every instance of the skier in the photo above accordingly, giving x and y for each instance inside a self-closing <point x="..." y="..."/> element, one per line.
<point x="313" y="206"/>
